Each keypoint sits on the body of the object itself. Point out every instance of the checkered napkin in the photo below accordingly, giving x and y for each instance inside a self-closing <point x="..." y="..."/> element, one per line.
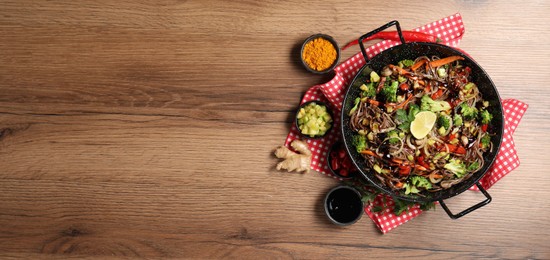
<point x="449" y="30"/>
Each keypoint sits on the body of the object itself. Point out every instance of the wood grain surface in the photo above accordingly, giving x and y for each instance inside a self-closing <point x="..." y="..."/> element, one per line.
<point x="146" y="129"/>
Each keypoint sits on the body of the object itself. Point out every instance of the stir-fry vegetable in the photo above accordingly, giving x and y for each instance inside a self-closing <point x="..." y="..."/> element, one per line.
<point x="369" y="90"/>
<point x="427" y="103"/>
<point x="390" y="91"/>
<point x="485" y="142"/>
<point x="456" y="167"/>
<point x="468" y="112"/>
<point x="357" y="101"/>
<point x="457" y="120"/>
<point x="360" y="142"/>
<point x="421" y="124"/>
<point x="444" y="122"/>
<point x="486" y="117"/>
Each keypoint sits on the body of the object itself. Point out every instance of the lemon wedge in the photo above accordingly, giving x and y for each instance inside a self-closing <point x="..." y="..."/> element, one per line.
<point x="422" y="124"/>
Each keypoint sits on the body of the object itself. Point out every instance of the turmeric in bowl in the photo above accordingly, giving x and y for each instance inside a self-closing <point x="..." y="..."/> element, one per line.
<point x="320" y="53"/>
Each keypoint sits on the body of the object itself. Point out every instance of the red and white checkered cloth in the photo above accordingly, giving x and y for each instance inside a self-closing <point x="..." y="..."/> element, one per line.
<point x="450" y="30"/>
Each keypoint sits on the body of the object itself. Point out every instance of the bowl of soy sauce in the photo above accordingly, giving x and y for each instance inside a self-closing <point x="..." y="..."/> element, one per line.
<point x="343" y="205"/>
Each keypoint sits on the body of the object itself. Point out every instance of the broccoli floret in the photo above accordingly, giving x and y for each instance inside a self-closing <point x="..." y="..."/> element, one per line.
<point x="390" y="91"/>
<point x="473" y="166"/>
<point x="421" y="182"/>
<point x="393" y="136"/>
<point x="444" y="122"/>
<point x="485" y="117"/>
<point x="413" y="110"/>
<point x="369" y="90"/>
<point x="428" y="104"/>
<point x="360" y="142"/>
<point x="417" y="182"/>
<point x="485" y="142"/>
<point x="457" y="120"/>
<point x="354" y="108"/>
<point x="457" y="167"/>
<point x="405" y="63"/>
<point x="468" y="112"/>
<point x="409" y="188"/>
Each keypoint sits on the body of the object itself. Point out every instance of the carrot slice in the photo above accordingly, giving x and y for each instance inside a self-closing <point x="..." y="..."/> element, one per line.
<point x="416" y="166"/>
<point x="420" y="167"/>
<point x="447" y="60"/>
<point x="404" y="103"/>
<point x="369" y="152"/>
<point x="399" y="161"/>
<point x="418" y="64"/>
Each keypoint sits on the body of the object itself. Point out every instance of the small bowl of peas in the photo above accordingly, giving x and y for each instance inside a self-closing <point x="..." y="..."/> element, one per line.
<point x="314" y="119"/>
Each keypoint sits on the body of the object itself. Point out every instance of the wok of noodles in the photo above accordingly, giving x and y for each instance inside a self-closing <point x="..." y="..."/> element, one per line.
<point x="421" y="125"/>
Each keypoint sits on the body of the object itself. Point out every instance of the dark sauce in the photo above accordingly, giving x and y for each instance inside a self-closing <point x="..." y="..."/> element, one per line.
<point x="382" y="107"/>
<point x="384" y="147"/>
<point x="453" y="95"/>
<point x="344" y="205"/>
<point x="479" y="105"/>
<point x="385" y="150"/>
<point x="401" y="92"/>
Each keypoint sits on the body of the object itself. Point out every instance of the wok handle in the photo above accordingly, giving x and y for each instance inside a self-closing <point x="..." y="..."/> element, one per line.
<point x="470" y="209"/>
<point x="375" y="31"/>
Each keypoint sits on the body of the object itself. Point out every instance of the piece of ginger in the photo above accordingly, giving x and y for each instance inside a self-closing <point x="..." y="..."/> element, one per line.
<point x="299" y="162"/>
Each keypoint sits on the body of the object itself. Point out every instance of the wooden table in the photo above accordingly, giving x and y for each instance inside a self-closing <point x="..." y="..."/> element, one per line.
<point x="146" y="129"/>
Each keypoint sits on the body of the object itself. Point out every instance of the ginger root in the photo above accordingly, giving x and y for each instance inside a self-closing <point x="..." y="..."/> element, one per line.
<point x="299" y="162"/>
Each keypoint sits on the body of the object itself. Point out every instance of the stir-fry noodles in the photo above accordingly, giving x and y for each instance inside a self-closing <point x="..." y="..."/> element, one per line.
<point x="421" y="125"/>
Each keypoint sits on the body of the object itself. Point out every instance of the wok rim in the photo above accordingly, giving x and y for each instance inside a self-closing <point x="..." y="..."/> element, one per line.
<point x="449" y="193"/>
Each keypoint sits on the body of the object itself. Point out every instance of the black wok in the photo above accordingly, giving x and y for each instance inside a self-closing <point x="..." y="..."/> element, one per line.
<point x="413" y="50"/>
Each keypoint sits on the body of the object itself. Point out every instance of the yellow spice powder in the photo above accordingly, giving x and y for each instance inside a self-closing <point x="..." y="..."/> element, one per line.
<point x="319" y="54"/>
